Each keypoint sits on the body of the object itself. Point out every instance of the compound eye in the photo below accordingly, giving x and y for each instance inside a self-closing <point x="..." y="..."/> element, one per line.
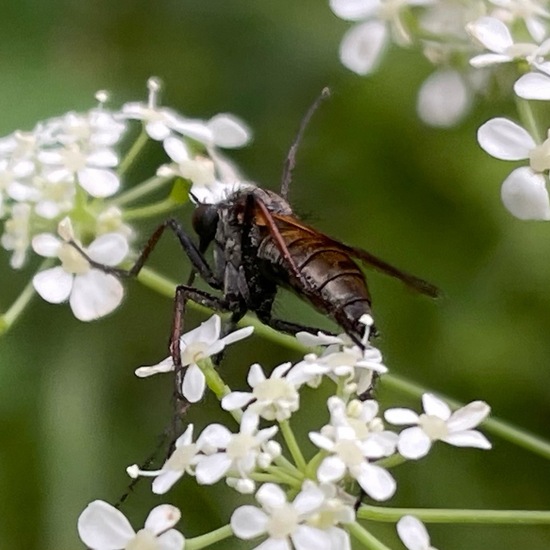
<point x="205" y="221"/>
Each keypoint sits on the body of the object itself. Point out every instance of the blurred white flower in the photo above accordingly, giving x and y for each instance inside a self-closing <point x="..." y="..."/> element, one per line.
<point x="103" y="527"/>
<point x="413" y="534"/>
<point x="534" y="14"/>
<point x="91" y="292"/>
<point x="524" y="191"/>
<point x="197" y="344"/>
<point x="363" y="45"/>
<point x="16" y="236"/>
<point x="444" y="98"/>
<point x="495" y="36"/>
<point x="438" y="423"/>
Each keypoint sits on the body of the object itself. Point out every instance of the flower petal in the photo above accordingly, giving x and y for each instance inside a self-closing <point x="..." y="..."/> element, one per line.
<point x="467" y="438"/>
<point x="413" y="443"/>
<point x="98" y="182"/>
<point x="400" y="416"/>
<point x="306" y="537"/>
<point x="413" y="533"/>
<point x="443" y="99"/>
<point x="308" y="500"/>
<point x="212" y="468"/>
<point x="435" y="406"/>
<point x="468" y="416"/>
<point x="331" y="469"/>
<point x="533" y="86"/>
<point x="54" y="285"/>
<point x="109" y="249"/>
<point x="271" y="496"/>
<point x="171" y="540"/>
<point x="176" y="149"/>
<point x="363" y="45"/>
<point x="524" y="195"/>
<point x="504" y="139"/>
<point x="236" y="400"/>
<point x="103" y="527"/>
<point x="95" y="294"/>
<point x="377" y="482"/>
<point x="237" y="335"/>
<point x="194" y="384"/>
<point x="354" y="10"/>
<point x="166" y="365"/>
<point x="161" y="518"/>
<point x="491" y="33"/>
<point x="164" y="481"/>
<point x="248" y="522"/>
<point x="228" y="131"/>
<point x="46" y="245"/>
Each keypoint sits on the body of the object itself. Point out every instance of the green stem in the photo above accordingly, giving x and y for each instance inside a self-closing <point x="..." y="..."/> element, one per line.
<point x="285" y="476"/>
<point x="216" y="384"/>
<point x="433" y="515"/>
<point x="292" y="445"/>
<point x="528" y="119"/>
<point x="133" y="152"/>
<point x="507" y="431"/>
<point x="151" y="210"/>
<point x="208" y="539"/>
<point x="18" y="307"/>
<point x="148" y="186"/>
<point x="368" y="540"/>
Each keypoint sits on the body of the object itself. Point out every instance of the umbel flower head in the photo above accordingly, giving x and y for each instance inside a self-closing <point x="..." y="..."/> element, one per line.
<point x="68" y="169"/>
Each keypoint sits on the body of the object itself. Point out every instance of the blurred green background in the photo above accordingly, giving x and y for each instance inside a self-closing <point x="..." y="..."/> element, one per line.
<point x="72" y="414"/>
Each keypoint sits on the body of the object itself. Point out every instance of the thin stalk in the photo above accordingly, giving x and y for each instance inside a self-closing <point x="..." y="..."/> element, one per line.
<point x="433" y="515"/>
<point x="148" y="186"/>
<point x="368" y="540"/>
<point x="292" y="445"/>
<point x="133" y="153"/>
<point x="208" y="539"/>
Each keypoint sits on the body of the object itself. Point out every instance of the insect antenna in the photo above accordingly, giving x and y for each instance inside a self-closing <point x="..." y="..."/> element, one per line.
<point x="290" y="161"/>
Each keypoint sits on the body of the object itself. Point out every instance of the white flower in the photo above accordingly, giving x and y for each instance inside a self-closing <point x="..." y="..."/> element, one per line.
<point x="240" y="454"/>
<point x="362" y="417"/>
<point x="350" y="454"/>
<point x="443" y="99"/>
<point x="336" y="509"/>
<point x="533" y="12"/>
<point x="363" y="45"/>
<point x="524" y="192"/>
<point x="103" y="527"/>
<point x="199" y="170"/>
<point x="223" y="130"/>
<point x="438" y="423"/>
<point x="273" y="398"/>
<point x="91" y="292"/>
<point x="182" y="460"/>
<point x="282" y="521"/>
<point x="16" y="234"/>
<point x="413" y="534"/>
<point x="495" y="36"/>
<point x="197" y="344"/>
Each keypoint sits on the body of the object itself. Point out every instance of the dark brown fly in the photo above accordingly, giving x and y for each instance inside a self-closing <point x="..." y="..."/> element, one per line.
<point x="259" y="245"/>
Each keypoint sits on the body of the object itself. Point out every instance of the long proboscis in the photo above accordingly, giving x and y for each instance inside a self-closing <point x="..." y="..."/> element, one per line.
<point x="420" y="285"/>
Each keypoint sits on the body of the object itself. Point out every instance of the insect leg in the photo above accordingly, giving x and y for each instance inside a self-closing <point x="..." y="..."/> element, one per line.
<point x="190" y="248"/>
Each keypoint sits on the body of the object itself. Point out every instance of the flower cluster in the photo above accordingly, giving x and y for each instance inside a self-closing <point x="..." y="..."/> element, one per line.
<point x="302" y="502"/>
<point x="475" y="45"/>
<point x="62" y="191"/>
<point x="443" y="30"/>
